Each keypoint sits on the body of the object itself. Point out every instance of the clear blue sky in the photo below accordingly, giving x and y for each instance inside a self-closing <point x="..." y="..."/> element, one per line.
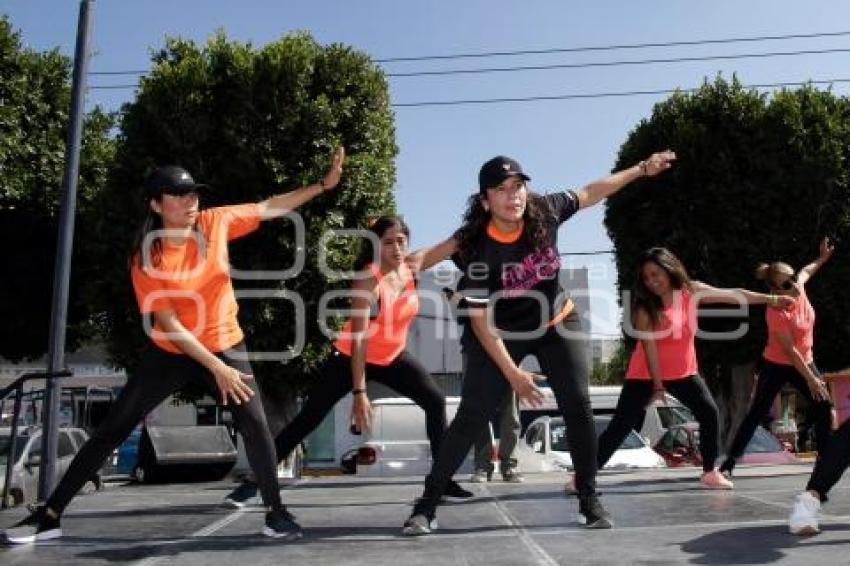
<point x="561" y="143"/>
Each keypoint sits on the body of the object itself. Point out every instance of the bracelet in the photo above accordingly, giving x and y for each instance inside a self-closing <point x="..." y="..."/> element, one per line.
<point x="358" y="391"/>
<point x="643" y="166"/>
<point x="773" y="300"/>
<point x="322" y="186"/>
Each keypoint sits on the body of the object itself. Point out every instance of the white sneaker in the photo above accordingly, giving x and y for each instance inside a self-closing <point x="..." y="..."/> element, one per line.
<point x="804" y="515"/>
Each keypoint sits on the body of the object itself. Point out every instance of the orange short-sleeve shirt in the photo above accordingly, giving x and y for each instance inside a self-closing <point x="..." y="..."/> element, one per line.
<point x="193" y="279"/>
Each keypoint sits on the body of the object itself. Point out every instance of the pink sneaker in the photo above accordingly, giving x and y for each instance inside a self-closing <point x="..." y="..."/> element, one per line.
<point x="715" y="480"/>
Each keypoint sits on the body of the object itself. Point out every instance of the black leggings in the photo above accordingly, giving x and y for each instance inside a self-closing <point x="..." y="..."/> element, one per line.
<point x="834" y="459"/>
<point x="160" y="374"/>
<point x="770" y="380"/>
<point x="631" y="408"/>
<point x="563" y="362"/>
<point x="405" y="375"/>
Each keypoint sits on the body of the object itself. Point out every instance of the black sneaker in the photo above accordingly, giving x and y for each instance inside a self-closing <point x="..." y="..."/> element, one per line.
<point x="281" y="524"/>
<point x="591" y="513"/>
<point x="244" y="494"/>
<point x="454" y="490"/>
<point x="39" y="526"/>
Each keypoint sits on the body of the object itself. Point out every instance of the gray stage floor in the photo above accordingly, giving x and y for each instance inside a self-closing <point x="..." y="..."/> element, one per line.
<point x="662" y="517"/>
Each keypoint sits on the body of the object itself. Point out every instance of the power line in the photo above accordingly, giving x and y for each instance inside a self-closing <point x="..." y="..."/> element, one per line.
<point x="594" y="95"/>
<point x="113" y="73"/>
<point x="613" y="47"/>
<point x="582" y="49"/>
<point x="630" y="62"/>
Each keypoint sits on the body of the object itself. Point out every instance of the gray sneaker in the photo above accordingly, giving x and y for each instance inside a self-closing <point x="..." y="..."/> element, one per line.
<point x="419" y="524"/>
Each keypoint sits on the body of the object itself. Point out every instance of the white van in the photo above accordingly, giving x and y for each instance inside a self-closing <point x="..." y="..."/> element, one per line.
<point x="603" y="400"/>
<point x="397" y="444"/>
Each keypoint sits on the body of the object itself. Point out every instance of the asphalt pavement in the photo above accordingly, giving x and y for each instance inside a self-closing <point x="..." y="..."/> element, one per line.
<point x="662" y="517"/>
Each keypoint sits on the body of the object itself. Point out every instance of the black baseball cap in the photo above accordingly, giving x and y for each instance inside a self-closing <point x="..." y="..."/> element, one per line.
<point x="170" y="179"/>
<point x="497" y="170"/>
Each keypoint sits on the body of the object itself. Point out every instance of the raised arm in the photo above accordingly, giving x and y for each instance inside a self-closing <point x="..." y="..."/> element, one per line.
<point x="705" y="293"/>
<point x="602" y="188"/>
<point x="826" y="250"/>
<point x="425" y="258"/>
<point x="279" y="205"/>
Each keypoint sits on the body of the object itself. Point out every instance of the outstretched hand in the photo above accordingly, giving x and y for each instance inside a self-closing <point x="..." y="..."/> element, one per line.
<point x="827" y="247"/>
<point x="658" y="162"/>
<point x="331" y="178"/>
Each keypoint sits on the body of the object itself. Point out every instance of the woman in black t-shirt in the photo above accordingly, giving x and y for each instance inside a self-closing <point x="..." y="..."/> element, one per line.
<point x="507" y="252"/>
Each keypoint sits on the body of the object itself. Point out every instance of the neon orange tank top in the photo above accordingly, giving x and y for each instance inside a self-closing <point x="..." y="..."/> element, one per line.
<point x="387" y="331"/>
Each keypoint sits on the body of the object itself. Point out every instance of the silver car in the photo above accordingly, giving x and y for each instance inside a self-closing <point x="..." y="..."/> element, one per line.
<point x="24" y="484"/>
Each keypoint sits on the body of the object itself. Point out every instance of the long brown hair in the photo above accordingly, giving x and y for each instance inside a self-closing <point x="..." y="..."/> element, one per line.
<point x="642" y="297"/>
<point x="537" y="220"/>
<point x="153" y="221"/>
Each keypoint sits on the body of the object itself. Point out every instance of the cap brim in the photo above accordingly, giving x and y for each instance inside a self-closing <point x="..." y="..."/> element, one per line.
<point x="494" y="183"/>
<point x="183" y="189"/>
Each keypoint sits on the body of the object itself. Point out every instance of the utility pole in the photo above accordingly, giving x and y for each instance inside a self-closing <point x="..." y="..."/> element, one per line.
<point x="64" y="248"/>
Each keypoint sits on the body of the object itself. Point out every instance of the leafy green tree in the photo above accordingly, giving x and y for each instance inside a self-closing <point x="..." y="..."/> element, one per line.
<point x="759" y="178"/>
<point x="252" y="122"/>
<point x="612" y="372"/>
<point x="34" y="103"/>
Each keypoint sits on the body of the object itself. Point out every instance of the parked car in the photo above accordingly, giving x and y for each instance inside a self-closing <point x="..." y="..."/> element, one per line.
<point x="547" y="437"/>
<point x="397" y="444"/>
<point x="658" y="418"/>
<point x="127" y="454"/>
<point x="25" y="469"/>
<point x="680" y="447"/>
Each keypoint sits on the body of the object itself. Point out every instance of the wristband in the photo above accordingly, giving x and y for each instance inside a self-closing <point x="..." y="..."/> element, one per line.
<point x="358" y="391"/>
<point x="322" y="186"/>
<point x="773" y="300"/>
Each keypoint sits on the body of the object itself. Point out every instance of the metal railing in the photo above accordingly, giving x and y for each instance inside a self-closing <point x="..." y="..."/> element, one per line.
<point x="17" y="387"/>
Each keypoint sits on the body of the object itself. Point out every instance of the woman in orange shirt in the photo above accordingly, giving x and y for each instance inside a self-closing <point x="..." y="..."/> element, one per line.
<point x="787" y="357"/>
<point x="371" y="347"/>
<point x="180" y="272"/>
<point x="664" y="314"/>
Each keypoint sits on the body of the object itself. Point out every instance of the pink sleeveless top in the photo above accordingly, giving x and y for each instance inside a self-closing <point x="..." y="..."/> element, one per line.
<point x="674" y="341"/>
<point x="799" y="320"/>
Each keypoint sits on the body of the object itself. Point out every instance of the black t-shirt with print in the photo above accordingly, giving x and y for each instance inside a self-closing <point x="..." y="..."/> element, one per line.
<point x="522" y="282"/>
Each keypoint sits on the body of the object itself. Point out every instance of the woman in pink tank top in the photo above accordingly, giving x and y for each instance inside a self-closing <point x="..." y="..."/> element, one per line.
<point x="664" y="321"/>
<point x="788" y="356"/>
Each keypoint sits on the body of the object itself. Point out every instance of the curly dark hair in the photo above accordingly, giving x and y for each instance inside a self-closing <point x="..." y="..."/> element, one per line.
<point x="538" y="218"/>
<point x="642" y="297"/>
